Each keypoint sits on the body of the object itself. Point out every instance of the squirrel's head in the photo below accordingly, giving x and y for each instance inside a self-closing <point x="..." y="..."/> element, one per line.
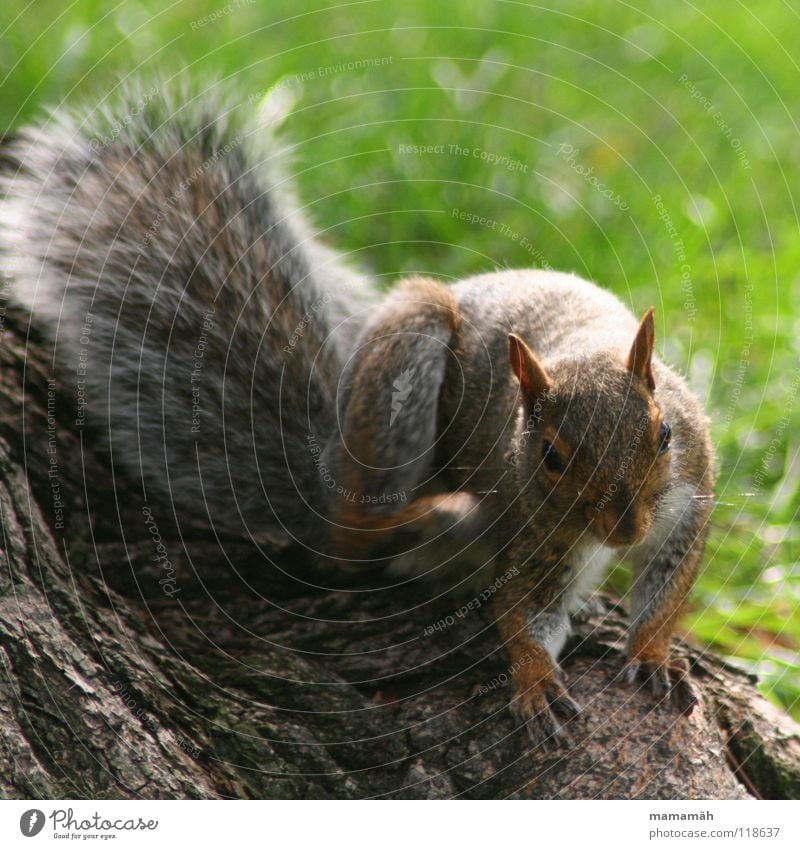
<point x="594" y="436"/>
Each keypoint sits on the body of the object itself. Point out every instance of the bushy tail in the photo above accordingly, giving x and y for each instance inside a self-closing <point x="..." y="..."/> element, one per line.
<point x="197" y="323"/>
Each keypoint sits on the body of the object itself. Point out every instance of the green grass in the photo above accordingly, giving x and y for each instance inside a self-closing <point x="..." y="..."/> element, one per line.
<point x="694" y="105"/>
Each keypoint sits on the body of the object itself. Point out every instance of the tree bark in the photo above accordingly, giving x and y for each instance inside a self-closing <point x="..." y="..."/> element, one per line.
<point x="140" y="660"/>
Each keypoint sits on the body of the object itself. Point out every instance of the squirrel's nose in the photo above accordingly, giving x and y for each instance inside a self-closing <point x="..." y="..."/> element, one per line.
<point x="619" y="527"/>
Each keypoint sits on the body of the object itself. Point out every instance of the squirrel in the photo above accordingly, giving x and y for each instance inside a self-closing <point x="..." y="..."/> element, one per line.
<point x="514" y="424"/>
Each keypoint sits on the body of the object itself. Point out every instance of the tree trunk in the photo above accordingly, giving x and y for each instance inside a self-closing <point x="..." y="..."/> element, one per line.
<point x="140" y="661"/>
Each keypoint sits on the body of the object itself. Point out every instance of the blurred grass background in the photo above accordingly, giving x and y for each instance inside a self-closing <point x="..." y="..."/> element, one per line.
<point x="652" y="148"/>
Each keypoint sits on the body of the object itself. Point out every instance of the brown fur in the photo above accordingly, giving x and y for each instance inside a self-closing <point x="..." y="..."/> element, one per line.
<point x="418" y="308"/>
<point x="525" y="366"/>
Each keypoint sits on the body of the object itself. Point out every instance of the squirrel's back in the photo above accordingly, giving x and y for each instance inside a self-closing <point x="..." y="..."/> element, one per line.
<point x="196" y="321"/>
<point x="558" y="313"/>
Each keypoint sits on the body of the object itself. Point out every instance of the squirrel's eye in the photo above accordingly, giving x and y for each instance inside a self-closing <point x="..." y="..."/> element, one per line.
<point x="665" y="436"/>
<point x="551" y="458"/>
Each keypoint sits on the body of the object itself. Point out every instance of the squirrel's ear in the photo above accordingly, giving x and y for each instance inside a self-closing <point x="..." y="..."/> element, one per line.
<point x="641" y="355"/>
<point x="532" y="377"/>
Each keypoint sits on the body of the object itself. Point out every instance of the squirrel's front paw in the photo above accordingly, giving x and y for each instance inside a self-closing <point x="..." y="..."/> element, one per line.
<point x="667" y="679"/>
<point x="540" y="706"/>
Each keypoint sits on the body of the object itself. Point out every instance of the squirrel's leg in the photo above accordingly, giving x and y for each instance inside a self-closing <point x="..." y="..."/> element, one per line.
<point x="533" y="640"/>
<point x="664" y="572"/>
<point x="383" y="454"/>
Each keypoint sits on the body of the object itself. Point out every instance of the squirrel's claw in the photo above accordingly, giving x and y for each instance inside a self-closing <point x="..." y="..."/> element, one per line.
<point x="565" y="706"/>
<point x="629" y="671"/>
<point x="682" y="693"/>
<point x="544" y="730"/>
<point x="560" y="675"/>
<point x="539" y="710"/>
<point x="667" y="679"/>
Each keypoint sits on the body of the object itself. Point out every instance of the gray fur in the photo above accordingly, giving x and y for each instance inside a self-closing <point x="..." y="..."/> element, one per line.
<point x="550" y="628"/>
<point x="399" y="428"/>
<point x="677" y="534"/>
<point x="147" y="214"/>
